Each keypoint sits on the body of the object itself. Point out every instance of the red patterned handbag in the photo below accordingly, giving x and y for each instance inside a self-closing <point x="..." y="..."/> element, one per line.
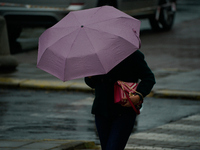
<point x="124" y="90"/>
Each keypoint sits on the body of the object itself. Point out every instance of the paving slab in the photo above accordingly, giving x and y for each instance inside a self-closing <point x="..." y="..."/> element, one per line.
<point x="45" y="144"/>
<point x="179" y="135"/>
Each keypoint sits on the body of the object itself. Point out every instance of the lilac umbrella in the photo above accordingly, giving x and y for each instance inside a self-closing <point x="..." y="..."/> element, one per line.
<point x="88" y="42"/>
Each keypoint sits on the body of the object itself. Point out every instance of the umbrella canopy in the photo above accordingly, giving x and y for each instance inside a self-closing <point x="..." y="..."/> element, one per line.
<point x="88" y="42"/>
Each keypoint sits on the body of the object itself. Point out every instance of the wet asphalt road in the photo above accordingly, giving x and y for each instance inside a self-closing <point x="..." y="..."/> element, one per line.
<point x="29" y="114"/>
<point x="45" y="115"/>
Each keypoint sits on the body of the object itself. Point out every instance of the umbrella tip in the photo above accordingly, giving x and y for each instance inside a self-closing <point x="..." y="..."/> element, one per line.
<point x="82" y="26"/>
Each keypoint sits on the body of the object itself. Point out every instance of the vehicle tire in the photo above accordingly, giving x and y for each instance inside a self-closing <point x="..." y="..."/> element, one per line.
<point x="155" y="25"/>
<point x="107" y="2"/>
<point x="166" y="19"/>
<point x="13" y="33"/>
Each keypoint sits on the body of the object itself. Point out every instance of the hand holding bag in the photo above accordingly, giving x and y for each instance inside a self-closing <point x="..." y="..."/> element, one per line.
<point x="125" y="90"/>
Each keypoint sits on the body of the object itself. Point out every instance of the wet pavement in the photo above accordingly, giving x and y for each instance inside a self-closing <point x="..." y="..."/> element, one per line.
<point x="30" y="114"/>
<point x="38" y="114"/>
<point x="179" y="135"/>
<point x="174" y="58"/>
<point x="46" y="145"/>
<point x="169" y="82"/>
<point x="182" y="134"/>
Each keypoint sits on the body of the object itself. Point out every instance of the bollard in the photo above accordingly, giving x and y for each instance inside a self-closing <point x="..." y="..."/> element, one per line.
<point x="7" y="62"/>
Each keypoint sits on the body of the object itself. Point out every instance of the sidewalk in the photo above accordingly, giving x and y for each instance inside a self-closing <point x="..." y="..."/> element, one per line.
<point x="45" y="145"/>
<point x="169" y="83"/>
<point x="179" y="135"/>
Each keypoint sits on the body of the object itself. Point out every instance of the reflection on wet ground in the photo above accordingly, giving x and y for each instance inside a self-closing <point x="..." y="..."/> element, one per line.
<point x="27" y="114"/>
<point x="46" y="115"/>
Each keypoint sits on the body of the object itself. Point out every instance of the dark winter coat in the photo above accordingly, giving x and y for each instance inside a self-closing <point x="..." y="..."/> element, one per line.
<point x="133" y="69"/>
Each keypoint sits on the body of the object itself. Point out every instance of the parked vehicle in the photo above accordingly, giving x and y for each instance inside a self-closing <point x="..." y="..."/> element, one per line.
<point x="45" y="13"/>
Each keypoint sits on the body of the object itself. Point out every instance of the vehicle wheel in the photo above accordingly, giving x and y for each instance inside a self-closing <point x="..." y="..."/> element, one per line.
<point x="154" y="23"/>
<point x="13" y="34"/>
<point x="107" y="2"/>
<point x="166" y="19"/>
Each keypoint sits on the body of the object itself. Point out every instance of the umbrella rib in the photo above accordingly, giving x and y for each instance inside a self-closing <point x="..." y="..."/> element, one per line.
<point x="69" y="51"/>
<point x="56" y="42"/>
<point x="109" y="19"/>
<point x="94" y="49"/>
<point x="61" y="37"/>
<point x="76" y="18"/>
<point x="112" y="34"/>
<point x="137" y="34"/>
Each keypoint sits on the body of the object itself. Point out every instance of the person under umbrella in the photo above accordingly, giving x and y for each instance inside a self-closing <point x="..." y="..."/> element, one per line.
<point x="115" y="122"/>
<point x="100" y="44"/>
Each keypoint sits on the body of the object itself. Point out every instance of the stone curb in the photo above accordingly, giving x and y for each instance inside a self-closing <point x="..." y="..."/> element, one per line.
<point x="44" y="84"/>
<point x="177" y="94"/>
<point x="47" y="144"/>
<point x="76" y="86"/>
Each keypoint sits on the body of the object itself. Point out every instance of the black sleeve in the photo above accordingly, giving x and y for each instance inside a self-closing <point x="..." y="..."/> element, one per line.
<point x="90" y="82"/>
<point x="145" y="75"/>
<point x="93" y="80"/>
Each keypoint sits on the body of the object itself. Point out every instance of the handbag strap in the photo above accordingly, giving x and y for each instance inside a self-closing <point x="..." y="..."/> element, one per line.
<point x="124" y="84"/>
<point x="136" y="110"/>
